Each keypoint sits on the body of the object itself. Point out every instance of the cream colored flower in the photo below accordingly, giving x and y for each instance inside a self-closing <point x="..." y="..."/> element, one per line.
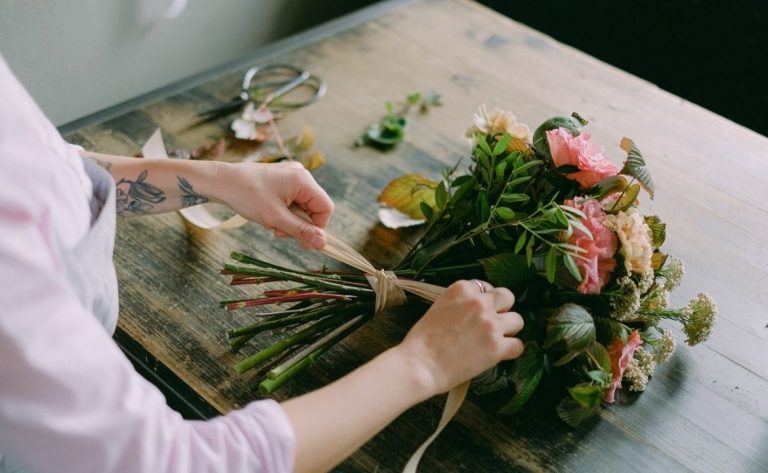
<point x="635" y="238"/>
<point x="498" y="122"/>
<point x="674" y="272"/>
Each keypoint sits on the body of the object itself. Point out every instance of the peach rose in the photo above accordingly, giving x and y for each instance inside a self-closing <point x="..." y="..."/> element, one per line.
<point x="581" y="152"/>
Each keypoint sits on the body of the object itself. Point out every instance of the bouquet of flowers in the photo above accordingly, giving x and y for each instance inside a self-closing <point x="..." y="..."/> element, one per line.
<point x="545" y="214"/>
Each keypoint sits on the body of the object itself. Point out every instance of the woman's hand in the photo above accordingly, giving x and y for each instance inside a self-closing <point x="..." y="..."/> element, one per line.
<point x="468" y="330"/>
<point x="264" y="193"/>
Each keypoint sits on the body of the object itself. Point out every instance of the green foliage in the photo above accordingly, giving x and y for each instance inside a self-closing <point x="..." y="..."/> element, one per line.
<point x="570" y="328"/>
<point x="635" y="166"/>
<point x="658" y="230"/>
<point x="390" y="129"/>
<point x="526" y="374"/>
<point x="507" y="270"/>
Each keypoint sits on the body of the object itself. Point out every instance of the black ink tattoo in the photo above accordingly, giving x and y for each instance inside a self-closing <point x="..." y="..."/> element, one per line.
<point x="190" y="197"/>
<point x="137" y="197"/>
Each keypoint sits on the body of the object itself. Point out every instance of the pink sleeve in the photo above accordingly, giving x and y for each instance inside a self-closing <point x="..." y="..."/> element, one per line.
<point x="70" y="400"/>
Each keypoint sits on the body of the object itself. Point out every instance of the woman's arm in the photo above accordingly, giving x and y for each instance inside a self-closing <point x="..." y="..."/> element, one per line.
<point x="262" y="193"/>
<point x="464" y="333"/>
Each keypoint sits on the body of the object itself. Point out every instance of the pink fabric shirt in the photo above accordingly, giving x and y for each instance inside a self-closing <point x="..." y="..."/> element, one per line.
<point x="69" y="399"/>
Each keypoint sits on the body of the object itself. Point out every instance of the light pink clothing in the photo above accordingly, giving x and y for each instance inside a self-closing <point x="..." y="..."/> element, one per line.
<point x="69" y="400"/>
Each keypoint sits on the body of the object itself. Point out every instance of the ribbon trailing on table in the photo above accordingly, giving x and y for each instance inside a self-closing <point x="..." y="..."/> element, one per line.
<point x="389" y="292"/>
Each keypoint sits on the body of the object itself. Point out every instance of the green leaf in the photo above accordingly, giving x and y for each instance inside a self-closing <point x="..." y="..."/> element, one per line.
<point x="462" y="191"/>
<point x="511" y="198"/>
<point x="501" y="145"/>
<point x="658" y="230"/>
<point x="658" y="260"/>
<point x="571" y="327"/>
<point x="441" y="195"/>
<point x="517" y="181"/>
<point x="504" y="213"/>
<point x="507" y="270"/>
<point x="520" y="242"/>
<point x="528" y="165"/>
<point x="529" y="250"/>
<point x="483" y="145"/>
<point x="414" y="98"/>
<point x="598" y="353"/>
<point x="408" y="194"/>
<point x="501" y="168"/>
<point x="461" y="180"/>
<point x="608" y="186"/>
<point x="573" y="413"/>
<point x="560" y="217"/>
<point x="570" y="264"/>
<point x="602" y="378"/>
<point x="635" y="166"/>
<point x="587" y="395"/>
<point x="483" y="207"/>
<point x="551" y="264"/>
<point x="526" y="373"/>
<point x="629" y="197"/>
<point x="486" y="239"/>
<point x="426" y="210"/>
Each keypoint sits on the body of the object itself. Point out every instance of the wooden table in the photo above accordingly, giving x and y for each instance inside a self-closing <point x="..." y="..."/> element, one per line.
<point x="706" y="410"/>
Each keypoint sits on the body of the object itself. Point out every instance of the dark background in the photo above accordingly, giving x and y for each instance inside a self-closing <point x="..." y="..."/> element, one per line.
<point x="712" y="53"/>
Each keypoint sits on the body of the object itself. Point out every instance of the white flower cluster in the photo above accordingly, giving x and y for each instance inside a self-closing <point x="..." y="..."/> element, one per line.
<point x="699" y="318"/>
<point x="626" y="306"/>
<point x="666" y="346"/>
<point x="658" y="300"/>
<point x="673" y="272"/>
<point x="639" y="369"/>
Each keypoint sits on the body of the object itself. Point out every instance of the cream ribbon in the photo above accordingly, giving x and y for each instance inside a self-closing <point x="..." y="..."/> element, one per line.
<point x="389" y="292"/>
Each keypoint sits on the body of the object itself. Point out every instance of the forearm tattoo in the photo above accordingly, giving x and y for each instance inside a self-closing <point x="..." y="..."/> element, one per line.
<point x="137" y="197"/>
<point x="189" y="196"/>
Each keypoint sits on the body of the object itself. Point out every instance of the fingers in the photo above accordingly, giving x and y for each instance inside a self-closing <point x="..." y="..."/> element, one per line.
<point x="503" y="299"/>
<point x="314" y="200"/>
<point x="287" y="223"/>
<point x="510" y="323"/>
<point x="512" y="348"/>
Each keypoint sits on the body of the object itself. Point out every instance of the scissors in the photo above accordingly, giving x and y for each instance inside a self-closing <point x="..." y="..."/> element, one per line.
<point x="267" y="86"/>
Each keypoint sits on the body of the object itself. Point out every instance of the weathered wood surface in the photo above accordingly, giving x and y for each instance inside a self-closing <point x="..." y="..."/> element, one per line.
<point x="706" y="410"/>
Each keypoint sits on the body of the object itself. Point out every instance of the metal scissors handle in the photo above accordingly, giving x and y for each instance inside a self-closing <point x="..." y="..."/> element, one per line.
<point x="279" y="80"/>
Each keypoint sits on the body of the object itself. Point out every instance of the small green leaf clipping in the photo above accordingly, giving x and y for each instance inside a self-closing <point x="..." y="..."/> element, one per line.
<point x="599" y="354"/>
<point x="426" y="210"/>
<point x="658" y="230"/>
<point x="520" y="242"/>
<point x="526" y="374"/>
<point x="635" y="166"/>
<point x="571" y="327"/>
<point x="483" y="207"/>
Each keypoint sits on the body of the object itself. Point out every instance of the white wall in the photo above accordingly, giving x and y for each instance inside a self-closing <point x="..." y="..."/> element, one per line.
<point x="79" y="56"/>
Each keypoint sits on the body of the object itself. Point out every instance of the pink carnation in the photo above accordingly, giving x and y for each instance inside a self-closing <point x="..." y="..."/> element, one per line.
<point x="597" y="261"/>
<point x="621" y="355"/>
<point x="579" y="151"/>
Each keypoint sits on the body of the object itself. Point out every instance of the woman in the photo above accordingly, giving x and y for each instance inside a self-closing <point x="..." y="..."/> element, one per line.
<point x="69" y="399"/>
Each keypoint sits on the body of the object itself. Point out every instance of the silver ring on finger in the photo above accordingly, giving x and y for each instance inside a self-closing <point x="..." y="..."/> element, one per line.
<point x="481" y="285"/>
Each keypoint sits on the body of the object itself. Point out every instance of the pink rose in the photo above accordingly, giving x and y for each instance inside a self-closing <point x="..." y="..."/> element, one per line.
<point x="621" y="355"/>
<point x="579" y="151"/>
<point x="597" y="262"/>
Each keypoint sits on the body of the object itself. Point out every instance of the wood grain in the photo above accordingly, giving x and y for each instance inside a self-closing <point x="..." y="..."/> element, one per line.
<point x="704" y="411"/>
